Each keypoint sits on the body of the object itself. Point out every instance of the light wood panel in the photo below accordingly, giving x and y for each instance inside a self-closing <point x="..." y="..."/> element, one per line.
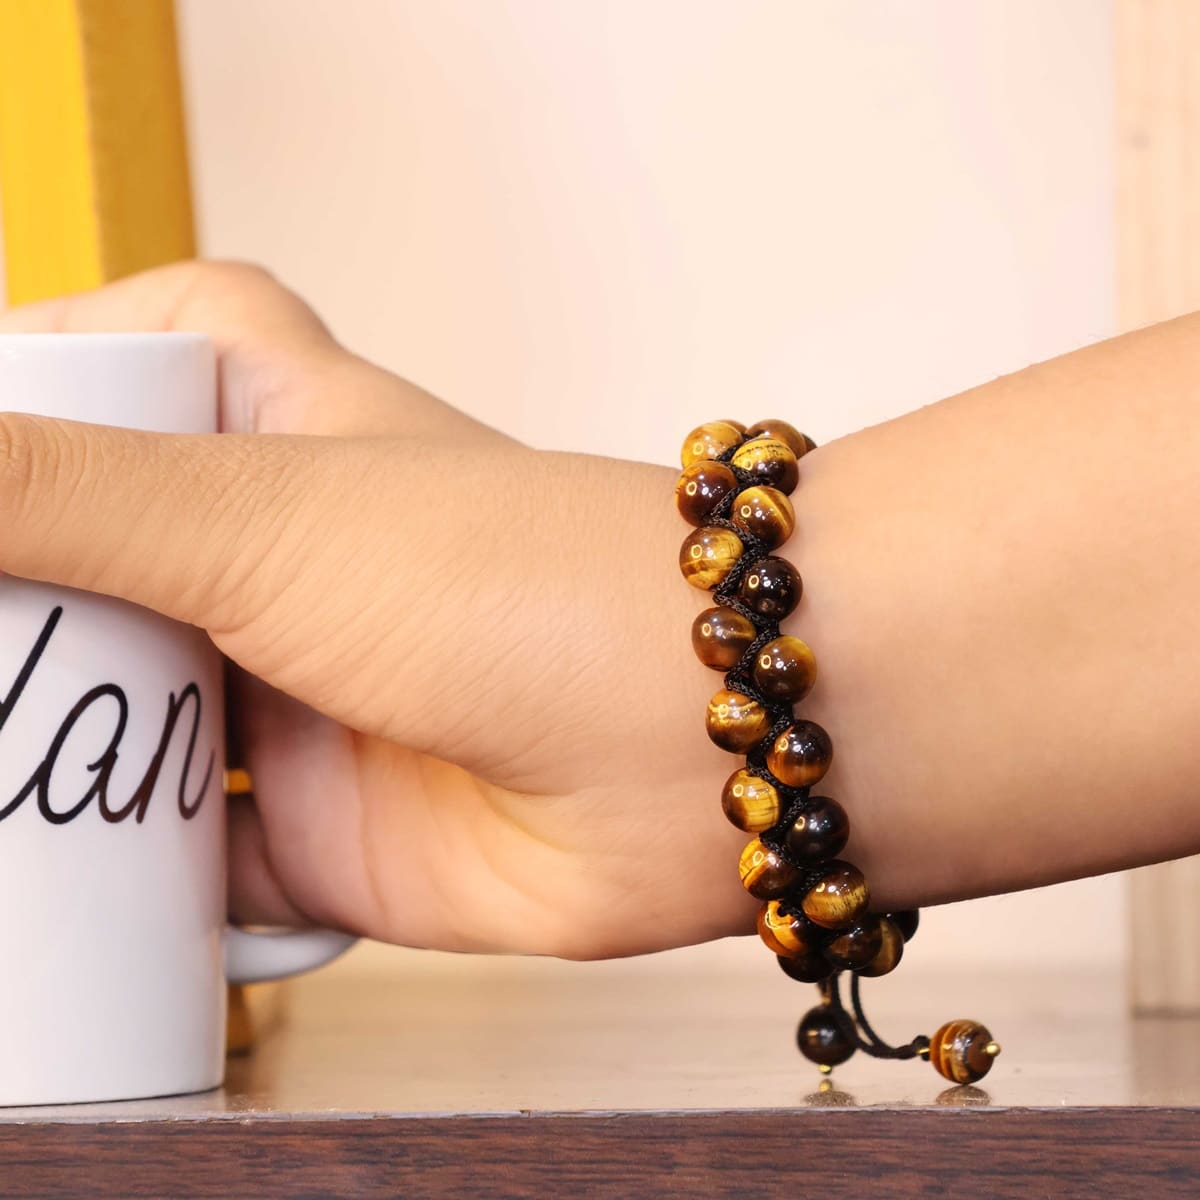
<point x="1157" y="80"/>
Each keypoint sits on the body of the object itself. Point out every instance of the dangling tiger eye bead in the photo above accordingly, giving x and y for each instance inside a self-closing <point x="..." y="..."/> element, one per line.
<point x="765" y="513"/>
<point x="783" y="933"/>
<point x="806" y="968"/>
<point x="838" y="898"/>
<point x="891" y="950"/>
<point x="770" y="462"/>
<point x="785" y="670"/>
<point x="708" y="554"/>
<point x="907" y="922"/>
<point x="819" y="833"/>
<point x="771" y="588"/>
<point x="800" y="755"/>
<point x="781" y="431"/>
<point x="750" y="803"/>
<point x="764" y="873"/>
<point x="825" y="1037"/>
<point x="701" y="487"/>
<point x="856" y="946"/>
<point x="709" y="441"/>
<point x="720" y="637"/>
<point x="962" y="1051"/>
<point x="735" y="721"/>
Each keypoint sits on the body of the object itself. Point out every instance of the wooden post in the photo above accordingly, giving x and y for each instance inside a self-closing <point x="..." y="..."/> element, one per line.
<point x="1157" y="86"/>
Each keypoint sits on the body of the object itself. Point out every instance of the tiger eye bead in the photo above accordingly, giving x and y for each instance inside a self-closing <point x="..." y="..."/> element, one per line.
<point x="750" y="803"/>
<point x="720" y="637"/>
<point x="710" y="440"/>
<point x="764" y="513"/>
<point x="962" y="1051"/>
<point x="701" y="487"/>
<point x="800" y="755"/>
<point x="891" y="950"/>
<point x="856" y="946"/>
<point x="838" y="898"/>
<point x="735" y="721"/>
<point x="819" y="833"/>
<point x="771" y="588"/>
<point x="736" y="424"/>
<point x="764" y="873"/>
<point x="781" y="431"/>
<point x="708" y="554"/>
<point x="770" y="462"/>
<point x="806" y="968"/>
<point x="825" y="1037"/>
<point x="906" y="922"/>
<point x="785" y="670"/>
<point x="783" y="933"/>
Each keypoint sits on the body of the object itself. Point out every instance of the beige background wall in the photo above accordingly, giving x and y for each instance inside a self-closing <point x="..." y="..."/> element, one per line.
<point x="595" y="222"/>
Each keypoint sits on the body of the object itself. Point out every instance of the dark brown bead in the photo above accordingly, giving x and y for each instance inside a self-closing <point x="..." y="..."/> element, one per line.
<point x="751" y="803"/>
<point x="856" y="946"/>
<point x="962" y="1051"/>
<point x="819" y="833"/>
<point x="907" y="922"/>
<point x="708" y="554"/>
<point x="825" y="1037"/>
<point x="891" y="950"/>
<point x="765" y="513"/>
<point x="785" y="670"/>
<point x="784" y="933"/>
<point x="781" y="431"/>
<point x="809" y="443"/>
<point x="838" y="898"/>
<point x="806" y="968"/>
<point x="720" y="637"/>
<point x="735" y="722"/>
<point x="764" y="873"/>
<point x="769" y="462"/>
<point x="701" y="487"/>
<point x="800" y="755"/>
<point x="710" y="440"/>
<point x="771" y="588"/>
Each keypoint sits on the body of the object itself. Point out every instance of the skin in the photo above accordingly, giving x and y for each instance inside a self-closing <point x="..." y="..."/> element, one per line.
<point x="465" y="686"/>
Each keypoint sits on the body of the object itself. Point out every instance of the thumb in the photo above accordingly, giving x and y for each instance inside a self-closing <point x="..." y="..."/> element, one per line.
<point x="190" y="525"/>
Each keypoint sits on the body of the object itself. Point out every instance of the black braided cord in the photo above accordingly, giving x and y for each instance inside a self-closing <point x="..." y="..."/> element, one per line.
<point x="795" y="800"/>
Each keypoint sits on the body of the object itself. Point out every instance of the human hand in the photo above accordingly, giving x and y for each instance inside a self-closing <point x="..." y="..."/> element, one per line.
<point x="465" y="691"/>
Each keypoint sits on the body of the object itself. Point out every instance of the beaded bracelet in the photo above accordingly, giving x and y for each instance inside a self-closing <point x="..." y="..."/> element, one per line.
<point x="734" y="489"/>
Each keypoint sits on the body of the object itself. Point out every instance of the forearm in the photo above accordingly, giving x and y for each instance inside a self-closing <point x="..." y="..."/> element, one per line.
<point x="1003" y="594"/>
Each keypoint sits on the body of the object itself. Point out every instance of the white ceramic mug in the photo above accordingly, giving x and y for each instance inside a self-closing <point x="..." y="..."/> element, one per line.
<point x="112" y="812"/>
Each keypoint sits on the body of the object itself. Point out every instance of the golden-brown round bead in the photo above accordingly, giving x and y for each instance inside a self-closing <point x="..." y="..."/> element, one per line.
<point x="781" y="431"/>
<point x="825" y="1037"/>
<point x="765" y="513"/>
<point x="708" y="554"/>
<point x="770" y="587"/>
<point x="735" y="721"/>
<point x="710" y="440"/>
<point x="701" y="487"/>
<point x="891" y="950"/>
<point x="838" y="898"/>
<point x="784" y="669"/>
<point x="736" y="424"/>
<point x="962" y="1051"/>
<point x="856" y="945"/>
<point x="720" y="637"/>
<point x="783" y="933"/>
<point x="770" y="462"/>
<point x="751" y="803"/>
<point x="764" y="873"/>
<point x="800" y="755"/>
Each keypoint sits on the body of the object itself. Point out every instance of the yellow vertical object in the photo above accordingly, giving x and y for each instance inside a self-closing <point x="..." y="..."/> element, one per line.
<point x="93" y="159"/>
<point x="94" y="180"/>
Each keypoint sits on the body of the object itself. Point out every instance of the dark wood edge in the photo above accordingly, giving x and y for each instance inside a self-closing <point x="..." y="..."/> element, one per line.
<point x="825" y="1153"/>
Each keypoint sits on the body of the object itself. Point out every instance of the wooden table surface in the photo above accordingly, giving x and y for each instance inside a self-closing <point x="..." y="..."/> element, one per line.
<point x="508" y="1077"/>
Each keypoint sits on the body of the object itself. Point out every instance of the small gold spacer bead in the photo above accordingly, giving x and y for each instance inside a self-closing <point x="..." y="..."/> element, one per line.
<point x="923" y="1053"/>
<point x="992" y="1049"/>
<point x="825" y="1069"/>
<point x="826" y="1085"/>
